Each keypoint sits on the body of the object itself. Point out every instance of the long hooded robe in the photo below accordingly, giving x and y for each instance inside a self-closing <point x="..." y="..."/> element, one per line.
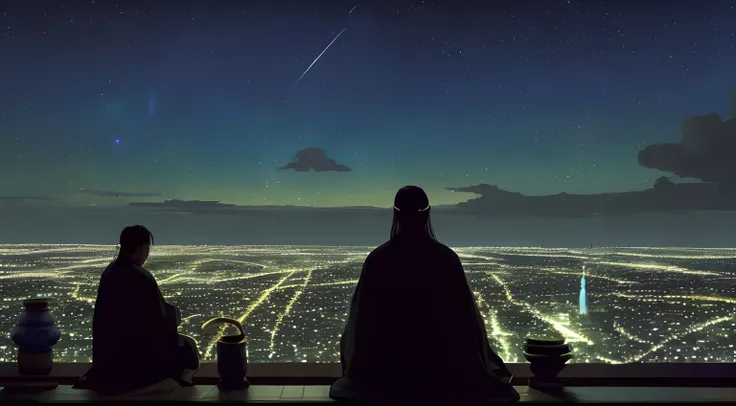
<point x="135" y="342"/>
<point x="414" y="331"/>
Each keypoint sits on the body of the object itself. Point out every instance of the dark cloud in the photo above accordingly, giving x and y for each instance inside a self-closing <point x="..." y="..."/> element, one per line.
<point x="316" y="159"/>
<point x="188" y="203"/>
<point x="705" y="152"/>
<point x="484" y="190"/>
<point x="216" y="207"/>
<point x="112" y="193"/>
<point x="187" y="206"/>
<point x="16" y="199"/>
<point x="665" y="196"/>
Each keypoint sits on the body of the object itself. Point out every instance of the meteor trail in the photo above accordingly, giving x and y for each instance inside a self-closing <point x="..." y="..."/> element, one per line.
<point x="352" y="9"/>
<point x="320" y="55"/>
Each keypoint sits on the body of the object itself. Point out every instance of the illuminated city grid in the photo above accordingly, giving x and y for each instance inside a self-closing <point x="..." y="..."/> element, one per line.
<point x="643" y="304"/>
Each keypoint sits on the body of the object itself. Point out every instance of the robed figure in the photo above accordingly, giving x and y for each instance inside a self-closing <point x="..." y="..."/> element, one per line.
<point x="135" y="339"/>
<point x="414" y="331"/>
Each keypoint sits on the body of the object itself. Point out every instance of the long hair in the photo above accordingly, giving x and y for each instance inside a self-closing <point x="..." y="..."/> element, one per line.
<point x="411" y="209"/>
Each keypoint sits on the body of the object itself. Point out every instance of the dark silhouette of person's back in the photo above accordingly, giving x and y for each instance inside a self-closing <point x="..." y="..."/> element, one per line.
<point x="414" y="331"/>
<point x="135" y="342"/>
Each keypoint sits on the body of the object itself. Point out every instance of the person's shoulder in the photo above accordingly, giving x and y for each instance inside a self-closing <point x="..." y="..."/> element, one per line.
<point x="143" y="273"/>
<point x="108" y="268"/>
<point x="379" y="251"/>
<point x="444" y="250"/>
<point x="127" y="270"/>
<point x="112" y="269"/>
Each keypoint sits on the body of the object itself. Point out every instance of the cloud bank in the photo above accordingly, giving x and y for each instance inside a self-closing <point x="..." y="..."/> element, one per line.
<point x="19" y="199"/>
<point x="112" y="193"/>
<point x="705" y="152"/>
<point x="316" y="159"/>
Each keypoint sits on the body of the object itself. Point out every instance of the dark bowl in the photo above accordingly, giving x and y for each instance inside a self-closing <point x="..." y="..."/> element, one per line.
<point x="547" y="350"/>
<point x="545" y="341"/>
<point x="547" y="360"/>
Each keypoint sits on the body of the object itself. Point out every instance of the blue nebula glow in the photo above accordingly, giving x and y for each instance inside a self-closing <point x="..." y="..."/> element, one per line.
<point x="152" y="105"/>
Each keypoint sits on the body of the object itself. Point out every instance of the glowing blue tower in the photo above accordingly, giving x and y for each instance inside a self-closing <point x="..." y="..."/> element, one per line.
<point x="583" y="295"/>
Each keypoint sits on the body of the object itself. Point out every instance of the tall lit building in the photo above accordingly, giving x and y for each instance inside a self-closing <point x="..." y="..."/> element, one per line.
<point x="583" y="295"/>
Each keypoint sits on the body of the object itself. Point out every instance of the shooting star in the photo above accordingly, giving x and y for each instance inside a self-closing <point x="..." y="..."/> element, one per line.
<point x="352" y="9"/>
<point x="320" y="55"/>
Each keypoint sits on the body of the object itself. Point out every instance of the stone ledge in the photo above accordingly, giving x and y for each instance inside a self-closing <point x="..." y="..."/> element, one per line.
<point x="651" y="374"/>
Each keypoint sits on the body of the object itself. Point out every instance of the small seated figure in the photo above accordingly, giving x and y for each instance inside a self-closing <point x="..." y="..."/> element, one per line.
<point x="414" y="332"/>
<point x="135" y="341"/>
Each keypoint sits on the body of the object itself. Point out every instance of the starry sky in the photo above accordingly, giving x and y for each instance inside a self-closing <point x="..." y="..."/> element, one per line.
<point x="104" y="103"/>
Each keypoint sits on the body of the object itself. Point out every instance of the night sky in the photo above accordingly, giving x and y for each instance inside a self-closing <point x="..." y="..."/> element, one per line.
<point x="198" y="101"/>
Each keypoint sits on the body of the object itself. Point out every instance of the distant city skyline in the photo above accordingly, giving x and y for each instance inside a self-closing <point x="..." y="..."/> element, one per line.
<point x="109" y="103"/>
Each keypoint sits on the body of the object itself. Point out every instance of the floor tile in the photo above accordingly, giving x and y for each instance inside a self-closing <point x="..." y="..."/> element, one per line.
<point x="254" y="393"/>
<point x="316" y="392"/>
<point x="644" y="394"/>
<point x="292" y="392"/>
<point x="197" y="392"/>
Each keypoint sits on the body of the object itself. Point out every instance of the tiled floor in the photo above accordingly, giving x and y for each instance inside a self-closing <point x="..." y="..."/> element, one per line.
<point x="209" y="393"/>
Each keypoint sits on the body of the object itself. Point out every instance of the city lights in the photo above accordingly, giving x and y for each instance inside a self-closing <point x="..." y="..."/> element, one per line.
<point x="642" y="304"/>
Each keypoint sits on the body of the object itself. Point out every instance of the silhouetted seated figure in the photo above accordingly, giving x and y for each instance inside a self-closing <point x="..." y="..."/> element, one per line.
<point x="414" y="332"/>
<point x="135" y="342"/>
